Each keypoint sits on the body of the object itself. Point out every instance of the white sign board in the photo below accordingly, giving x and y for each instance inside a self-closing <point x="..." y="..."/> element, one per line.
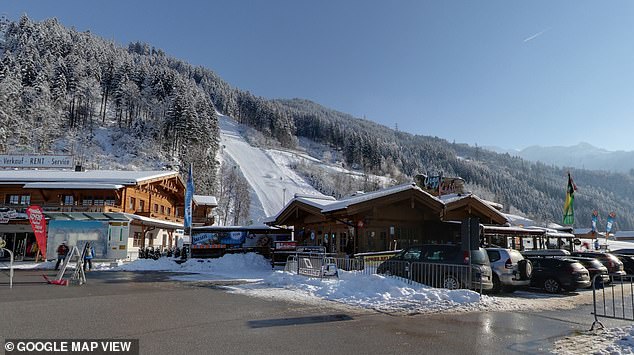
<point x="36" y="161"/>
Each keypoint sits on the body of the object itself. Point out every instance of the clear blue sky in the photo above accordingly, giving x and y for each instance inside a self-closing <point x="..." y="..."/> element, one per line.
<point x="503" y="73"/>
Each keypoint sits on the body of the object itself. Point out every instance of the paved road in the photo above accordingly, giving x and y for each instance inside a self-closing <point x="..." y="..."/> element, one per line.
<point x="177" y="318"/>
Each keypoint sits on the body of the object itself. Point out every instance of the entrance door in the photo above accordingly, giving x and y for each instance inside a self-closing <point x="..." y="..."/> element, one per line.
<point x="118" y="233"/>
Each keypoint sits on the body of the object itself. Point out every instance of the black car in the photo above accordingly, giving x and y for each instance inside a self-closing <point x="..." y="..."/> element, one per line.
<point x="557" y="274"/>
<point x="440" y="265"/>
<point x="594" y="267"/>
<point x="628" y="263"/>
<point x="614" y="265"/>
<point x="623" y="252"/>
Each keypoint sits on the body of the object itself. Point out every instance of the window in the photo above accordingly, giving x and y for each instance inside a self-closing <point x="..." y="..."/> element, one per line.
<point x="162" y="209"/>
<point x="136" y="242"/>
<point x="155" y="208"/>
<point x="169" y="211"/>
<point x="132" y="203"/>
<point x="18" y="199"/>
<point x="68" y="200"/>
<point x="141" y="205"/>
<point x="412" y="254"/>
<point x="494" y="255"/>
<point x="109" y="201"/>
<point x="98" y="201"/>
<point x="87" y="201"/>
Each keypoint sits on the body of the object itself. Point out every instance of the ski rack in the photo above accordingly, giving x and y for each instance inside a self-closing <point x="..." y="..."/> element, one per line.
<point x="10" y="265"/>
<point x="78" y="276"/>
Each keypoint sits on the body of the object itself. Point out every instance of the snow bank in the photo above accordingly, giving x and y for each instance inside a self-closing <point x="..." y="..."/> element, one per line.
<point x="611" y="341"/>
<point x="249" y="265"/>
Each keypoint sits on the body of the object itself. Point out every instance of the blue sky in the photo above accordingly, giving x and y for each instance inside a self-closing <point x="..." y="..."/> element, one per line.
<point x="503" y="73"/>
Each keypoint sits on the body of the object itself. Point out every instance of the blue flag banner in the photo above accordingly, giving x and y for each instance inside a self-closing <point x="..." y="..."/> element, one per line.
<point x="608" y="228"/>
<point x="189" y="194"/>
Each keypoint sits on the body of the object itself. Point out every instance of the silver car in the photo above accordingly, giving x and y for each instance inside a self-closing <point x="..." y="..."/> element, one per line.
<point x="510" y="269"/>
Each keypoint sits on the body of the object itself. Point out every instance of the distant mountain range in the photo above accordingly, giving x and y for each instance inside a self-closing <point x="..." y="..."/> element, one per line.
<point x="581" y="156"/>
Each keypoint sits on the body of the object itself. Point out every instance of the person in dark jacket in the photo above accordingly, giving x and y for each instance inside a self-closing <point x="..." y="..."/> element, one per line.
<point x="62" y="251"/>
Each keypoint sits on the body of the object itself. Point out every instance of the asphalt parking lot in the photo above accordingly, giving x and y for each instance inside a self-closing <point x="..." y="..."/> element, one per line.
<point x="175" y="317"/>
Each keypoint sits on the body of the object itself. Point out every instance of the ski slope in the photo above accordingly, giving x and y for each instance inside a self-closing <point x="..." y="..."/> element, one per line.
<point x="272" y="182"/>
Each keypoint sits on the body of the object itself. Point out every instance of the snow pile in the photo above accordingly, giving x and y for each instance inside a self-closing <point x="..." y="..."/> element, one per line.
<point x="351" y="288"/>
<point x="368" y="291"/>
<point x="238" y="266"/>
<point x="611" y="341"/>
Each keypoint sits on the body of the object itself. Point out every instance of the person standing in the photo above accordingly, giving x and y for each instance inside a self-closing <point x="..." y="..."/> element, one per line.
<point x="90" y="253"/>
<point x="62" y="251"/>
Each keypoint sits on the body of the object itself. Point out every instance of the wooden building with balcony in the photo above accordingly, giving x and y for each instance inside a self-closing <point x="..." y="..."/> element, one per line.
<point x="122" y="211"/>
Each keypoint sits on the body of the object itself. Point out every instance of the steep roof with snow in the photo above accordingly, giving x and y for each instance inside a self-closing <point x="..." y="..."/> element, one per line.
<point x="115" y="177"/>
<point x="364" y="197"/>
<point x="205" y="200"/>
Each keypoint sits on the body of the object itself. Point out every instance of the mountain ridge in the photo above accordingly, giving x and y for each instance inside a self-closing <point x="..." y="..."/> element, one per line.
<point x="582" y="155"/>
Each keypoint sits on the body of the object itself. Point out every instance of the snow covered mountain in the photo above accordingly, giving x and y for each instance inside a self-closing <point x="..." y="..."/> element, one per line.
<point x="272" y="173"/>
<point x="581" y="156"/>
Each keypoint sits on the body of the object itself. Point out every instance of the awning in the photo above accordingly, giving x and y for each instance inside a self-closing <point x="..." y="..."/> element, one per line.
<point x="153" y="222"/>
<point x="71" y="185"/>
<point x="85" y="216"/>
<point x="512" y="231"/>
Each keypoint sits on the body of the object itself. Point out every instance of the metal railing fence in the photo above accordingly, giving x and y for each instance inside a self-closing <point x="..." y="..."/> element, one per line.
<point x="613" y="299"/>
<point x="2" y="251"/>
<point x="451" y="276"/>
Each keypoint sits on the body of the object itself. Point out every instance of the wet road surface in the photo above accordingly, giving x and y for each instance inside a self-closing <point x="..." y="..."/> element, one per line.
<point x="174" y="317"/>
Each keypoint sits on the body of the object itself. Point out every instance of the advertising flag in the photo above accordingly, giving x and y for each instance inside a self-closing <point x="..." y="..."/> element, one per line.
<point x="569" y="211"/>
<point x="595" y="218"/>
<point x="189" y="194"/>
<point x="38" y="223"/>
<point x="611" y="217"/>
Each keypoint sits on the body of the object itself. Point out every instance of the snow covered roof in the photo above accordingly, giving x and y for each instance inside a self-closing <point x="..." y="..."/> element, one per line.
<point x="516" y="220"/>
<point x="317" y="201"/>
<point x="153" y="221"/>
<point x="71" y="185"/>
<point x="204" y="200"/>
<point x="347" y="202"/>
<point x="117" y="177"/>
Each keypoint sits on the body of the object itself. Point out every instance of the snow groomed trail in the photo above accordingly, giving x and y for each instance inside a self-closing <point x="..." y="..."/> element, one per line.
<point x="272" y="181"/>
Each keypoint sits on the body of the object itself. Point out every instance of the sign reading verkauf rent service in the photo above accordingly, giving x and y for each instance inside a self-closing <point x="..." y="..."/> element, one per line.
<point x="36" y="161"/>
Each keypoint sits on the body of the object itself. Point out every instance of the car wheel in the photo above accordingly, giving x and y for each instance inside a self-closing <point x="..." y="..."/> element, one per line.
<point x="552" y="286"/>
<point x="497" y="285"/>
<point x="450" y="282"/>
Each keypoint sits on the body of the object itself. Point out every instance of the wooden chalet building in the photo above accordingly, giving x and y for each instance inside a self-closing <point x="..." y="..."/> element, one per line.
<point x="120" y="211"/>
<point x="388" y="219"/>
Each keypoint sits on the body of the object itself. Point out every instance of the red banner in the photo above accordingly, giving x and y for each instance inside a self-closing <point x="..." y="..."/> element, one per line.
<point x="38" y="223"/>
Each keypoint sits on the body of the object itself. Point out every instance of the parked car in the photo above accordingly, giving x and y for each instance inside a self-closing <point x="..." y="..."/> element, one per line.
<point x="441" y="265"/>
<point x="510" y="269"/>
<point x="558" y="273"/>
<point x="614" y="265"/>
<point x="594" y="267"/>
<point x="628" y="263"/>
<point x="623" y="252"/>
